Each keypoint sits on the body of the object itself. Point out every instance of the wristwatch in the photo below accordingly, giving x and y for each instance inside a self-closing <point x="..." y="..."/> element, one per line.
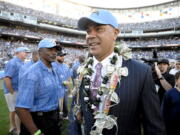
<point x="161" y="78"/>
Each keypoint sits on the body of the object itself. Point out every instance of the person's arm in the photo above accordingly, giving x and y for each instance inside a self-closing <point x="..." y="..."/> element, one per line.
<point x="10" y="70"/>
<point x="25" y="100"/>
<point x="67" y="81"/>
<point x="69" y="85"/>
<point x="26" y="119"/>
<point x="165" y="84"/>
<point x="8" y="84"/>
<point x="151" y="116"/>
<point x="78" y="99"/>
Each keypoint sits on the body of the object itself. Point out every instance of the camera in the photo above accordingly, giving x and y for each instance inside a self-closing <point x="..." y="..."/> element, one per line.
<point x="151" y="62"/>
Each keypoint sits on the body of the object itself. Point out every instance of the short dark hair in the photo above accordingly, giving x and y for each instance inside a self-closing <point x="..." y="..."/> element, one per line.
<point x="81" y="59"/>
<point x="177" y="75"/>
<point x="165" y="61"/>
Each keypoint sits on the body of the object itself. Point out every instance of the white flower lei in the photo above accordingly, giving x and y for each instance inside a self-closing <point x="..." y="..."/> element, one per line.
<point x="105" y="95"/>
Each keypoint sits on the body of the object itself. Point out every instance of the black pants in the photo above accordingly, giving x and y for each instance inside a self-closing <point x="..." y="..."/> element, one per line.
<point x="47" y="122"/>
<point x="65" y="105"/>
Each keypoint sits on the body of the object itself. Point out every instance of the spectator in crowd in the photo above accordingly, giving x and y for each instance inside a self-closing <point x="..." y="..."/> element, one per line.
<point x="177" y="66"/>
<point x="76" y="65"/>
<point x="139" y="102"/>
<point x="37" y="101"/>
<point x="11" y="85"/>
<point x="64" y="75"/>
<point x="23" y="69"/>
<point x="164" y="80"/>
<point x="171" y="108"/>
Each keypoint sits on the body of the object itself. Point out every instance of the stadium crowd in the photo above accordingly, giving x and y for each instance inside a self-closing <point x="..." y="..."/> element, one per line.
<point x="153" y="25"/>
<point x="43" y="17"/>
<point x="153" y="41"/>
<point x="39" y="34"/>
<point x="170" y="54"/>
<point x="21" y="31"/>
<point x="8" y="48"/>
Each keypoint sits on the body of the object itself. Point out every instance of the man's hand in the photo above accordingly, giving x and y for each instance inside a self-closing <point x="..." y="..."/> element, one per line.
<point x="8" y="82"/>
<point x="158" y="72"/>
<point x="79" y="117"/>
<point x="26" y="119"/>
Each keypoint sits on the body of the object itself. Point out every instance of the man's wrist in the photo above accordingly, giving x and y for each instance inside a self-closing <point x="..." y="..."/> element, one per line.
<point x="12" y="92"/>
<point x="161" y="78"/>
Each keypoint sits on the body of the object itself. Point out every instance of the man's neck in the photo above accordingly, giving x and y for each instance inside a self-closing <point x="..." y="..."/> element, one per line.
<point x="106" y="60"/>
<point x="60" y="62"/>
<point x="47" y="63"/>
<point x="101" y="58"/>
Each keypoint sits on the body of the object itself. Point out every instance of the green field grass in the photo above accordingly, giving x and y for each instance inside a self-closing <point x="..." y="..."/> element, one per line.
<point x="4" y="120"/>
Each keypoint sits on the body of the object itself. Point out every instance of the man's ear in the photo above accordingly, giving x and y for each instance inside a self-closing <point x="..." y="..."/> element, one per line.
<point x="116" y="32"/>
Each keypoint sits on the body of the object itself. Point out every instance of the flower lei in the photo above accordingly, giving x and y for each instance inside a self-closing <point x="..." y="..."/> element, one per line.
<point x="105" y="94"/>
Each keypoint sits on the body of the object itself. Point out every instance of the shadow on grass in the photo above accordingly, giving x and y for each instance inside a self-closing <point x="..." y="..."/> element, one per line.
<point x="4" y="120"/>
